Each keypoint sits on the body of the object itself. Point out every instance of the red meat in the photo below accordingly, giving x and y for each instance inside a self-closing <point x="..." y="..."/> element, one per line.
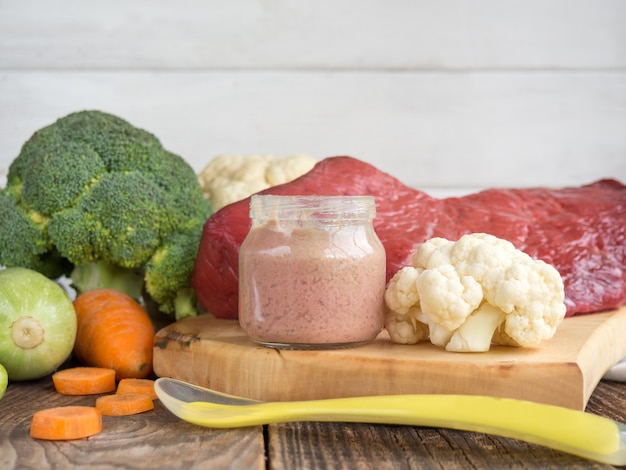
<point x="580" y="231"/>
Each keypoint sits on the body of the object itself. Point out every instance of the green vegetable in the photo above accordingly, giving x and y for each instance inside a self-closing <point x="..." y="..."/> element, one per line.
<point x="92" y="197"/>
<point x="4" y="380"/>
<point x="37" y="324"/>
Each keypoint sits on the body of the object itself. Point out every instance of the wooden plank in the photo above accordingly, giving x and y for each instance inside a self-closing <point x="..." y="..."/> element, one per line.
<point x="434" y="130"/>
<point x="152" y="440"/>
<point x="320" y="445"/>
<point x="337" y="34"/>
<point x="563" y="371"/>
<point x="158" y="440"/>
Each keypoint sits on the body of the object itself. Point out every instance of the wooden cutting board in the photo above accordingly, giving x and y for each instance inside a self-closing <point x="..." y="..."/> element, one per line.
<point x="564" y="371"/>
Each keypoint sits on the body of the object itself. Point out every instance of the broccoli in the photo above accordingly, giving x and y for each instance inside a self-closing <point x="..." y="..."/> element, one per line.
<point x="96" y="199"/>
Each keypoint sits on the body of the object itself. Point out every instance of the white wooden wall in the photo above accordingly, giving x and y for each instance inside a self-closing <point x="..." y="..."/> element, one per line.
<point x="448" y="95"/>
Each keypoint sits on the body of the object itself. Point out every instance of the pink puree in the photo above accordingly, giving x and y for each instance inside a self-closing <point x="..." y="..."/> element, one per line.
<point x="305" y="286"/>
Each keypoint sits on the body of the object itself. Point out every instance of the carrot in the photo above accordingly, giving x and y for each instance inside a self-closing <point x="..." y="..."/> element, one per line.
<point x="124" y="404"/>
<point x="137" y="385"/>
<point x="114" y="331"/>
<point x="84" y="381"/>
<point x="66" y="422"/>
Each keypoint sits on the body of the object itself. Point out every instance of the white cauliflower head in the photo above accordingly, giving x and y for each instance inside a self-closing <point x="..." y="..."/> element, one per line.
<point x="477" y="291"/>
<point x="230" y="178"/>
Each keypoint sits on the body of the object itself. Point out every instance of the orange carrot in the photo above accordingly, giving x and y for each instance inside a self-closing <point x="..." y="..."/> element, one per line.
<point x="114" y="331"/>
<point x="137" y="385"/>
<point x="84" y="381"/>
<point x="66" y="422"/>
<point x="124" y="404"/>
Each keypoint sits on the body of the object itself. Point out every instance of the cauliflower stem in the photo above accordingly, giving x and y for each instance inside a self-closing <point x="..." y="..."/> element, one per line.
<point x="475" y="334"/>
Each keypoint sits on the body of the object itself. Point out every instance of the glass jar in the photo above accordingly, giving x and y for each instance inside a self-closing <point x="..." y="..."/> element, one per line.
<point x="312" y="272"/>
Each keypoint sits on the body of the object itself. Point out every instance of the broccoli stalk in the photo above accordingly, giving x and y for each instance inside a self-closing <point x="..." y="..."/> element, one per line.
<point x="172" y="299"/>
<point x="185" y="303"/>
<point x="92" y="195"/>
<point x="100" y="274"/>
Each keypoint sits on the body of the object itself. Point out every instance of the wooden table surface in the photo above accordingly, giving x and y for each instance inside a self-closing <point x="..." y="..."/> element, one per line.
<point x="157" y="439"/>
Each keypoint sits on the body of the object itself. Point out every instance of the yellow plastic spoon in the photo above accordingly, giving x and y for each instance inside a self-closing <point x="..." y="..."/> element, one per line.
<point x="575" y="432"/>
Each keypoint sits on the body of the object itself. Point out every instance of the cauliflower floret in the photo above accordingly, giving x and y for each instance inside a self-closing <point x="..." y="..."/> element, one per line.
<point x="230" y="178"/>
<point x="474" y="292"/>
<point x="402" y="300"/>
<point x="283" y="170"/>
<point x="532" y="295"/>
<point x="226" y="191"/>
<point x="405" y="329"/>
<point x="447" y="299"/>
<point x="401" y="295"/>
<point x="433" y="253"/>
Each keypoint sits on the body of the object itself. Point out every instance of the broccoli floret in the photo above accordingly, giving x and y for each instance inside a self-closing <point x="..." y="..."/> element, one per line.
<point x="24" y="239"/>
<point x="51" y="173"/>
<point x="121" y="147"/>
<point x="121" y="220"/>
<point x="168" y="273"/>
<point x="93" y="196"/>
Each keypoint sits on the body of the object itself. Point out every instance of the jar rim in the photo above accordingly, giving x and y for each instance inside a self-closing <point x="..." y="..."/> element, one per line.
<point x="286" y="207"/>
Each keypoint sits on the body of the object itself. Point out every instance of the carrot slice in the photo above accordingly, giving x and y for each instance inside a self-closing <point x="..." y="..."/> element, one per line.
<point x="65" y="423"/>
<point x="84" y="381"/>
<point x="137" y="385"/>
<point x="124" y="404"/>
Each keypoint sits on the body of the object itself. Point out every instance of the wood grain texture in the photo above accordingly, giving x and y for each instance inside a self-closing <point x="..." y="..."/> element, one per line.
<point x="331" y="445"/>
<point x="337" y="34"/>
<point x="446" y="95"/>
<point x="364" y="446"/>
<point x="563" y="371"/>
<point x="158" y="440"/>
<point x="152" y="440"/>
<point x="432" y="130"/>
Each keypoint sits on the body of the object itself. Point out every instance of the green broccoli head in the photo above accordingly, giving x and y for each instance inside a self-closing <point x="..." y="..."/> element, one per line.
<point x="92" y="192"/>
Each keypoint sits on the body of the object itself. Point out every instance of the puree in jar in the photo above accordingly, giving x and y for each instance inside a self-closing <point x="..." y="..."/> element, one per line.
<point x="303" y="286"/>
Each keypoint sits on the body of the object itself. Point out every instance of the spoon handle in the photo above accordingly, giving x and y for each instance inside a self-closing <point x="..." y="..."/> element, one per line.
<point x="567" y="430"/>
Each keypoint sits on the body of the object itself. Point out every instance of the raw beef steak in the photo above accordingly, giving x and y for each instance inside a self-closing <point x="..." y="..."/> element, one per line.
<point x="581" y="231"/>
